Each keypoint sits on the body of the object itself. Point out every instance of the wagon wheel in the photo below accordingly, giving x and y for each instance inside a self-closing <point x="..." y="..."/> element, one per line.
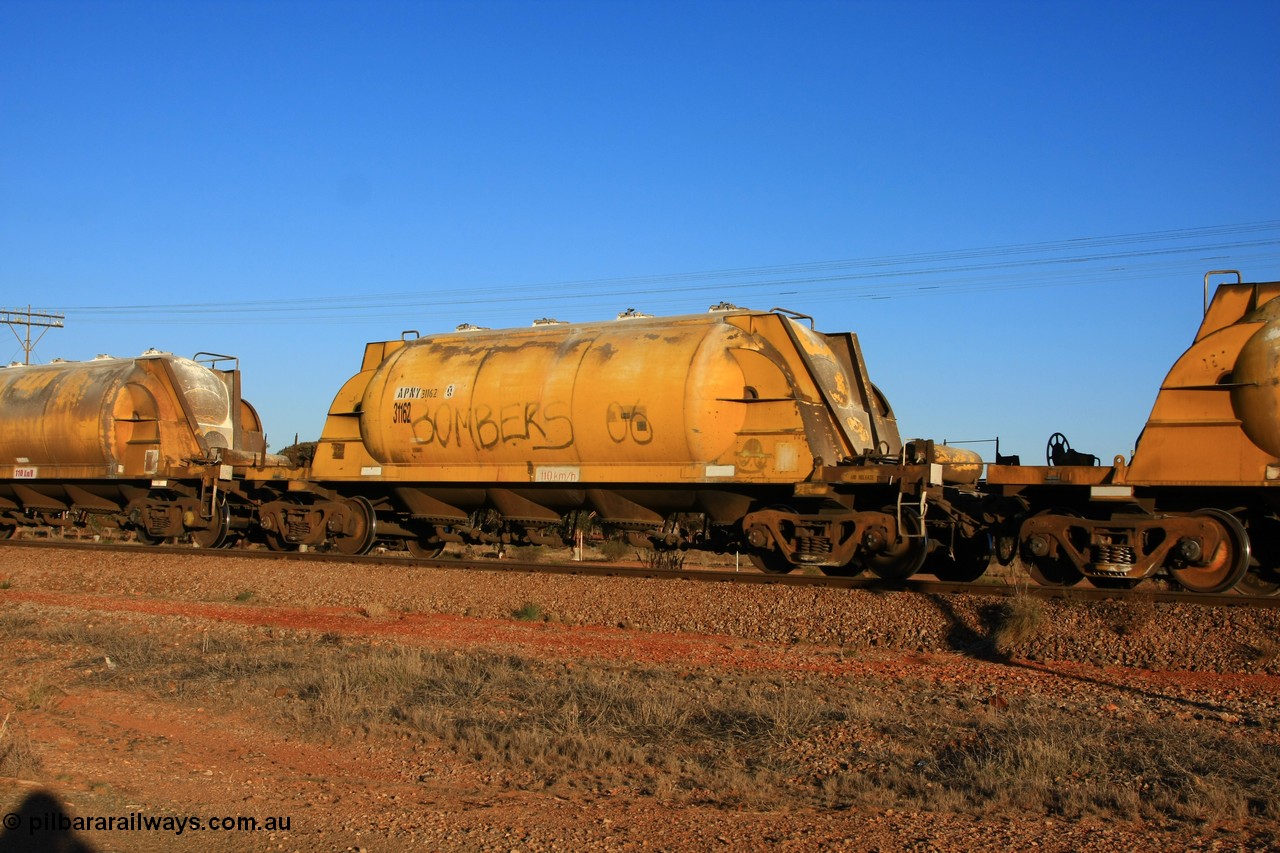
<point x="146" y="538"/>
<point x="364" y="528"/>
<point x="276" y="542"/>
<point x="422" y="551"/>
<point x="7" y="528"/>
<point x="1053" y="571"/>
<point x="1263" y="577"/>
<point x="1057" y="571"/>
<point x="773" y="562"/>
<point x="967" y="561"/>
<point x="1258" y="582"/>
<point x="216" y="534"/>
<point x="902" y="559"/>
<point x="138" y="517"/>
<point x="1115" y="583"/>
<point x="1227" y="565"/>
<point x="275" y="539"/>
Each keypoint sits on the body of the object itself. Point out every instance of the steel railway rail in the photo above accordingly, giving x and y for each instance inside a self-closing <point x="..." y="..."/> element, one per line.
<point x="918" y="584"/>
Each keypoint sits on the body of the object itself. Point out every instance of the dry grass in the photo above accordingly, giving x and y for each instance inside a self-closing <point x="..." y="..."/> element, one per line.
<point x="529" y="612"/>
<point x="1018" y="623"/>
<point x="706" y="736"/>
<point x="373" y="610"/>
<point x="667" y="561"/>
<point x="18" y="757"/>
<point x="616" y="550"/>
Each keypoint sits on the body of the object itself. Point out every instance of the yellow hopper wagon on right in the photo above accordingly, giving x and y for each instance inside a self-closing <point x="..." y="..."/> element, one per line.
<point x="1198" y="500"/>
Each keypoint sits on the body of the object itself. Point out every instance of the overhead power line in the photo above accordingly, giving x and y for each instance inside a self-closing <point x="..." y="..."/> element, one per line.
<point x="1000" y="267"/>
<point x="30" y="319"/>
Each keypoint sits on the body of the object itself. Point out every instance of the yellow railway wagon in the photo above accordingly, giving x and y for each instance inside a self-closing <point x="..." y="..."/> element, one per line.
<point x="149" y="443"/>
<point x="770" y="432"/>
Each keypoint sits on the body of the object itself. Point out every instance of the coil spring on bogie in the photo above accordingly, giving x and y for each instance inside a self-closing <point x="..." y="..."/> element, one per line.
<point x="158" y="520"/>
<point x="1113" y="554"/>
<point x="813" y="546"/>
<point x="1113" y="558"/>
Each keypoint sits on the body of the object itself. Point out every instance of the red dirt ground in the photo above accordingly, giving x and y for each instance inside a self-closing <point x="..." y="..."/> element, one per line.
<point x="119" y="752"/>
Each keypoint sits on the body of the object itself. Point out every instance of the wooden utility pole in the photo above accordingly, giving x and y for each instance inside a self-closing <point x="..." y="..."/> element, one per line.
<point x="30" y="319"/>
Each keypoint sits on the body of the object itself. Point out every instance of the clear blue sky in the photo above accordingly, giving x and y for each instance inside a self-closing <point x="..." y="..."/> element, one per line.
<point x="1012" y="204"/>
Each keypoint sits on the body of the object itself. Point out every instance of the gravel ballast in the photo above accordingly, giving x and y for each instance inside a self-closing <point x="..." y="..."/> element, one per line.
<point x="1142" y="634"/>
